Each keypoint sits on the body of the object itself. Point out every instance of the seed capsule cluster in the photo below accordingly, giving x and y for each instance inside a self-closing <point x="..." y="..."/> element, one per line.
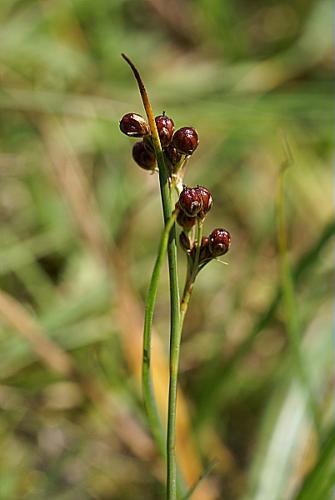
<point x="194" y="203"/>
<point x="177" y="145"/>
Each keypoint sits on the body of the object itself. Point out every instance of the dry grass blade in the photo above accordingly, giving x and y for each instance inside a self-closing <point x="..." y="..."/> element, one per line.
<point x="17" y="317"/>
<point x="72" y="183"/>
<point x="59" y="361"/>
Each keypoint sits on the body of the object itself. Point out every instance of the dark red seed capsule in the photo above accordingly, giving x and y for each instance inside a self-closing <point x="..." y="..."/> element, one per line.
<point x="190" y="201"/>
<point x="185" y="140"/>
<point x="165" y="127"/>
<point x="219" y="242"/>
<point x="143" y="157"/>
<point x="185" y="221"/>
<point x="134" y="125"/>
<point x="207" y="200"/>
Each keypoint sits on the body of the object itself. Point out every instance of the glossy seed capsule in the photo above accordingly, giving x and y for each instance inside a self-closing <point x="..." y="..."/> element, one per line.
<point x="165" y="127"/>
<point x="207" y="200"/>
<point x="185" y="140"/>
<point x="219" y="242"/>
<point x="190" y="201"/>
<point x="134" y="125"/>
<point x="143" y="157"/>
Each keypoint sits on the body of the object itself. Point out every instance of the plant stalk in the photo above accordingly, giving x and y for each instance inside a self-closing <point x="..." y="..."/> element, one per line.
<point x="148" y="392"/>
<point x="192" y="272"/>
<point x="174" y="290"/>
<point x="174" y="361"/>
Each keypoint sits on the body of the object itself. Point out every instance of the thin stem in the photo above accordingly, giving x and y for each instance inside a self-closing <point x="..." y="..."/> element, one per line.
<point x="185" y="302"/>
<point x="198" y="247"/>
<point x="192" y="272"/>
<point x="148" y="393"/>
<point x="174" y="361"/>
<point x="172" y="408"/>
<point x="174" y="289"/>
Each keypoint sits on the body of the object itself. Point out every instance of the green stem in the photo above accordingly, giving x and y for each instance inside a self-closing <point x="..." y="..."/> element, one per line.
<point x="174" y="289"/>
<point x="192" y="272"/>
<point x="185" y="302"/>
<point x="174" y="368"/>
<point x="197" y="250"/>
<point x="148" y="393"/>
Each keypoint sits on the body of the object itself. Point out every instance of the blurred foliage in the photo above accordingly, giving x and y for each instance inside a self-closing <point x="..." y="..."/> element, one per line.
<point x="249" y="76"/>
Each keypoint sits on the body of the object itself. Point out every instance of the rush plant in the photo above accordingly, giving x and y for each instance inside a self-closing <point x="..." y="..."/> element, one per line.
<point x="163" y="150"/>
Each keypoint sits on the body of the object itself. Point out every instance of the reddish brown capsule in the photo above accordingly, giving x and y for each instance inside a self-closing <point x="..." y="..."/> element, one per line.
<point x="185" y="221"/>
<point x="134" y="125"/>
<point x="186" y="140"/>
<point x="207" y="200"/>
<point x="165" y="127"/>
<point x="190" y="201"/>
<point x="143" y="157"/>
<point x="219" y="242"/>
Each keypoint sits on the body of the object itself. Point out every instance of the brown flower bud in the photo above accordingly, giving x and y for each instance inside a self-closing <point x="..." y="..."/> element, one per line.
<point x="185" y="140"/>
<point x="134" y="125"/>
<point x="219" y="242"/>
<point x="143" y="157"/>
<point x="207" y="200"/>
<point x="190" y="201"/>
<point x="165" y="127"/>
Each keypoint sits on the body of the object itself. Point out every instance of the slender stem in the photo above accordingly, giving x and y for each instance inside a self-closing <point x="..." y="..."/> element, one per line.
<point x="192" y="272"/>
<point x="197" y="250"/>
<point x="174" y="289"/>
<point x="148" y="393"/>
<point x="185" y="302"/>
<point x="172" y="412"/>
<point x="174" y="364"/>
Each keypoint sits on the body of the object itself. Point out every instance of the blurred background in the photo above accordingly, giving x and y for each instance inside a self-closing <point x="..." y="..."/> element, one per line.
<point x="256" y="398"/>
